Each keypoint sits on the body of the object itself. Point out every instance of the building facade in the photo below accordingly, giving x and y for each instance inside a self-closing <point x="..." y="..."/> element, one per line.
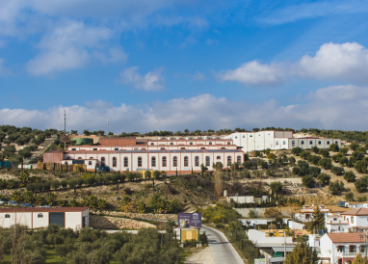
<point x="66" y="217"/>
<point x="250" y="141"/>
<point x="166" y="154"/>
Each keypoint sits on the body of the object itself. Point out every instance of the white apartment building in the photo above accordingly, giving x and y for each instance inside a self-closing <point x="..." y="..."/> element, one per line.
<point x="250" y="141"/>
<point x="166" y="154"/>
<point x="305" y="213"/>
<point x="66" y="217"/>
<point x="339" y="248"/>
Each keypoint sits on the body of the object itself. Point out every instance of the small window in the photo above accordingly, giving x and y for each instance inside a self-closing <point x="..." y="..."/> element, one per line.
<point x="311" y="142"/>
<point x="335" y="219"/>
<point x="40" y="216"/>
<point x="125" y="162"/>
<point x="228" y="143"/>
<point x="259" y="135"/>
<point x="182" y="148"/>
<point x="175" y="161"/>
<point x="328" y="142"/>
<point x="223" y="148"/>
<point x="302" y="142"/>
<point x="243" y="136"/>
<point x="186" y="161"/>
<point x="191" y="143"/>
<point x="163" y="161"/>
<point x="210" y="143"/>
<point x="228" y="160"/>
<point x="162" y="148"/>
<point x="203" y="148"/>
<point x="251" y="136"/>
<point x="196" y="161"/>
<point x="90" y="157"/>
<point x="7" y="216"/>
<point x="336" y="142"/>
<point x="207" y="161"/>
<point x="236" y="137"/>
<point x="352" y="219"/>
<point x="89" y="162"/>
<point x="319" y="142"/>
<point x="114" y="162"/>
<point x="171" y="143"/>
<point x="277" y="143"/>
<point x="103" y="161"/>
<point x="239" y="160"/>
<point x="73" y="148"/>
<point x="116" y="148"/>
<point x="152" y="144"/>
<point x="66" y="163"/>
<point x="139" y="161"/>
<point x="79" y="157"/>
<point x="153" y="161"/>
<point x="94" y="148"/>
<point x="284" y="142"/>
<point x="218" y="157"/>
<point x="293" y="142"/>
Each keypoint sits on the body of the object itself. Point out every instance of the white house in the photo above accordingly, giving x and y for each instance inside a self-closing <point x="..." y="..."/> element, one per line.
<point x="356" y="205"/>
<point x="305" y="214"/>
<point x="257" y="236"/>
<point x="335" y="223"/>
<point x="249" y="141"/>
<point x="66" y="217"/>
<point x="337" y="248"/>
<point x="356" y="217"/>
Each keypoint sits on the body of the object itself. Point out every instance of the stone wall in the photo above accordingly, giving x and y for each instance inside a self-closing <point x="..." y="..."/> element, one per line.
<point x="106" y="222"/>
<point x="138" y="215"/>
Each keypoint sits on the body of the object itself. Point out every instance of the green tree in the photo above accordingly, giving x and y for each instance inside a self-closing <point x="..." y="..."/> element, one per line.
<point x="315" y="149"/>
<point x="354" y="146"/>
<point x="334" y="147"/>
<point x="318" y="220"/>
<point x="337" y="170"/>
<point x="336" y="187"/>
<point x="324" y="152"/>
<point x="203" y="169"/>
<point x="51" y="199"/>
<point x="296" y="151"/>
<point x="302" y="253"/>
<point x="360" y="260"/>
<point x="276" y="187"/>
<point x="308" y="181"/>
<point x="324" y="178"/>
<point x="156" y="174"/>
<point x="349" y="197"/>
<point x="344" y="151"/>
<point x="325" y="163"/>
<point x="361" y="184"/>
<point x="360" y="166"/>
<point x="23" y="178"/>
<point x="349" y="176"/>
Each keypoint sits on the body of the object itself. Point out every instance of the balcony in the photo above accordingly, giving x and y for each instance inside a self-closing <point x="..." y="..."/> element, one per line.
<point x="341" y="254"/>
<point x="337" y="222"/>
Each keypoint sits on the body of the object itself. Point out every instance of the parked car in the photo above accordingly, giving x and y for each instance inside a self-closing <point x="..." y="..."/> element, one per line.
<point x="2" y="202"/>
<point x="27" y="205"/>
<point x="13" y="203"/>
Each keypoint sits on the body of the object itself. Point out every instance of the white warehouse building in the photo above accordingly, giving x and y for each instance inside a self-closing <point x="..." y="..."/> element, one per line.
<point x="66" y="217"/>
<point x="249" y="141"/>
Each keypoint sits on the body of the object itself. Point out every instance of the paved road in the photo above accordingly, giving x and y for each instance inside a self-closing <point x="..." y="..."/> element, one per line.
<point x="221" y="248"/>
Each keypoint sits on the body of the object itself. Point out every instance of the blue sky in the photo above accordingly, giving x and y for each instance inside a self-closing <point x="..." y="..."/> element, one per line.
<point x="170" y="65"/>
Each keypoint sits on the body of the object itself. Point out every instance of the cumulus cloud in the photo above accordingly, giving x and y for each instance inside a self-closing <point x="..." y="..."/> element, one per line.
<point x="151" y="81"/>
<point x="255" y="73"/>
<point x="336" y="107"/>
<point x="72" y="46"/>
<point x="346" y="62"/>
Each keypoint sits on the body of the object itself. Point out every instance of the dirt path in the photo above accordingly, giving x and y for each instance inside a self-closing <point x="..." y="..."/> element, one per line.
<point x="204" y="256"/>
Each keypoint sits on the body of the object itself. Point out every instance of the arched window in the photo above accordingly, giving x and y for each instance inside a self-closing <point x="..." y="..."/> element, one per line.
<point x="7" y="216"/>
<point x="228" y="143"/>
<point x="153" y="162"/>
<point x="126" y="162"/>
<point x="328" y="142"/>
<point x="207" y="161"/>
<point x="90" y="157"/>
<point x="152" y="144"/>
<point x="243" y="136"/>
<point x="319" y="142"/>
<point x="103" y="161"/>
<point x="79" y="157"/>
<point x="302" y="142"/>
<point x="352" y="248"/>
<point x="171" y="143"/>
<point x="163" y="161"/>
<point x="89" y="162"/>
<point x="40" y="216"/>
<point x="175" y="161"/>
<point x="196" y="161"/>
<point x="210" y="143"/>
<point x="114" y="162"/>
<point x="284" y="142"/>
<point x="239" y="160"/>
<point x="139" y="161"/>
<point x="186" y="163"/>
<point x="236" y="137"/>
<point x="277" y="143"/>
<point x="336" y="142"/>
<point x="228" y="160"/>
<point x="311" y="142"/>
<point x="218" y="157"/>
<point x="191" y="143"/>
<point x="293" y="143"/>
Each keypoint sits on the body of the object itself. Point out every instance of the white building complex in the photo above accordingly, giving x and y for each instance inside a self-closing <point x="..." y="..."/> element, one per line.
<point x="66" y="217"/>
<point x="249" y="141"/>
<point x="178" y="154"/>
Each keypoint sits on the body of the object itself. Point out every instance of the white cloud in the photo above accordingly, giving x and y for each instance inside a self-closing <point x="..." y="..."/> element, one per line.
<point x="151" y="81"/>
<point x="255" y="73"/>
<point x="346" y="62"/>
<point x="337" y="107"/>
<point x="72" y="46"/>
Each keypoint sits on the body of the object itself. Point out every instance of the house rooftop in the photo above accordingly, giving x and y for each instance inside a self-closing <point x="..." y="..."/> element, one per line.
<point x="346" y="237"/>
<point x="43" y="209"/>
<point x="357" y="212"/>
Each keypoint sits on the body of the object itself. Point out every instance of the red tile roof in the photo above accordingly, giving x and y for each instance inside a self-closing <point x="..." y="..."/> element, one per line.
<point x="346" y="237"/>
<point x="357" y="212"/>
<point x="43" y="209"/>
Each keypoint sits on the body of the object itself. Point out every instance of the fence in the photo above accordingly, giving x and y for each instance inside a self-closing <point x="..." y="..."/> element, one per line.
<point x="51" y="166"/>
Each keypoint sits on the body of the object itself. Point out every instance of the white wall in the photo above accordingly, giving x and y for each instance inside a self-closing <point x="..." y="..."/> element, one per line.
<point x="40" y="222"/>
<point x="73" y="220"/>
<point x="326" y="247"/>
<point x="260" y="237"/>
<point x="7" y="222"/>
<point x="295" y="225"/>
<point x="86" y="214"/>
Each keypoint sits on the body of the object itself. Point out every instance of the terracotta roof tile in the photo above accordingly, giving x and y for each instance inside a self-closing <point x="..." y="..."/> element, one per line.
<point x="358" y="212"/>
<point x="346" y="237"/>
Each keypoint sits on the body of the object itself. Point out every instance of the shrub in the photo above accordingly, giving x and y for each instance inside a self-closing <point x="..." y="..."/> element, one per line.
<point x="315" y="149"/>
<point x="271" y="156"/>
<point x="349" y="197"/>
<point x="324" y="179"/>
<point x="324" y="152"/>
<point x="304" y="155"/>
<point x="248" y="164"/>
<point x="361" y="184"/>
<point x="292" y="160"/>
<point x="357" y="155"/>
<point x="313" y="159"/>
<point x="296" y="151"/>
<point x="337" y="170"/>
<point x="344" y="151"/>
<point x="349" y="176"/>
<point x="362" y="198"/>
<point x="219" y="226"/>
<point x="314" y="171"/>
<point x="336" y="187"/>
<point x="128" y="191"/>
<point x="334" y="147"/>
<point x="354" y="146"/>
<point x="325" y="163"/>
<point x="360" y="166"/>
<point x="308" y="181"/>
<point x="276" y="187"/>
<point x="337" y="157"/>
